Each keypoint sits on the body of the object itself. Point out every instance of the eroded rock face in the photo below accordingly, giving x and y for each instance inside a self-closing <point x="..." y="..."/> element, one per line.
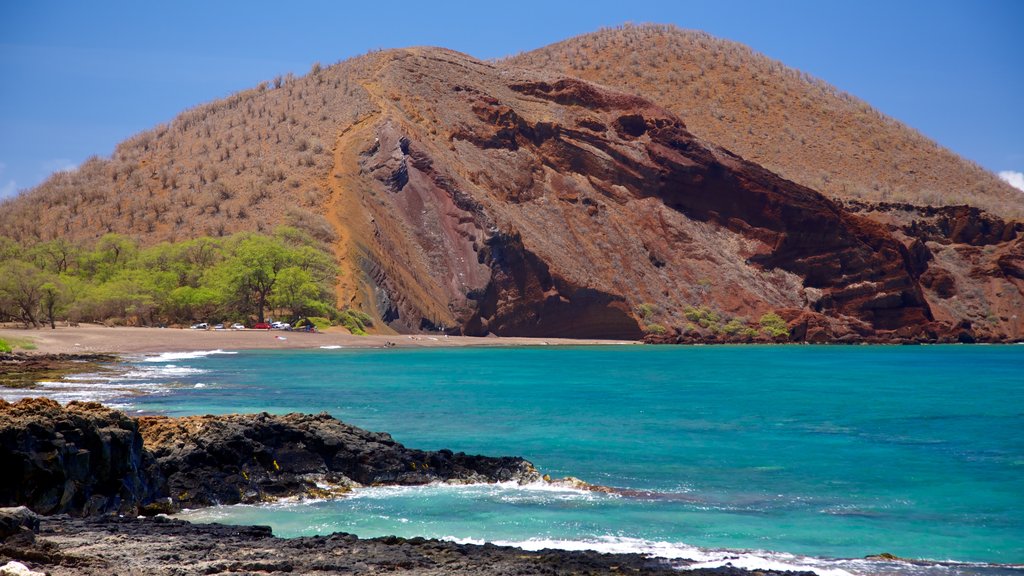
<point x="82" y="459"/>
<point x="968" y="263"/>
<point x="85" y="459"/>
<point x="549" y="206"/>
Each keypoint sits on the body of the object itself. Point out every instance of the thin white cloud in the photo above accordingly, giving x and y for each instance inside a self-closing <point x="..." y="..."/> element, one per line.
<point x="1013" y="178"/>
<point x="8" y="189"/>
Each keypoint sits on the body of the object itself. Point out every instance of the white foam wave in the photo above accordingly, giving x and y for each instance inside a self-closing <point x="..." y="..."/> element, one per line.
<point x="108" y="387"/>
<point x="506" y="491"/>
<point x="695" y="557"/>
<point x="172" y="356"/>
<point x="331" y="347"/>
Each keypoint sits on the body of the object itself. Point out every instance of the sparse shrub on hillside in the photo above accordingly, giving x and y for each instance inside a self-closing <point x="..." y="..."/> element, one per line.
<point x="773" y="325"/>
<point x="355" y="321"/>
<point x="734" y="326"/>
<point x="655" y="329"/>
<point x="646" y="311"/>
<point x="785" y="119"/>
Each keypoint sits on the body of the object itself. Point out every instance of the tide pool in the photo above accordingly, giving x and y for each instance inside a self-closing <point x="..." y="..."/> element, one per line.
<point x="804" y="454"/>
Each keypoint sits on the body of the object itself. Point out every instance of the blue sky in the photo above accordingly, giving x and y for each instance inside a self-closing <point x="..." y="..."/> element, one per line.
<point x="79" y="77"/>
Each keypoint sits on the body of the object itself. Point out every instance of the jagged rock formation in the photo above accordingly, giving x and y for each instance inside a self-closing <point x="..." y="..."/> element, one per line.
<point x="259" y="457"/>
<point x="159" y="546"/>
<point x="86" y="459"/>
<point x="478" y="198"/>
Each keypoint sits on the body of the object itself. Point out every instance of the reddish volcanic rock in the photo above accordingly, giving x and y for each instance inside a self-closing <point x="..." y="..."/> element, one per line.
<point x="555" y="207"/>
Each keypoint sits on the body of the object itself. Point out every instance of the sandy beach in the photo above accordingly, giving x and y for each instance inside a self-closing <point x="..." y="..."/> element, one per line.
<point x="124" y="340"/>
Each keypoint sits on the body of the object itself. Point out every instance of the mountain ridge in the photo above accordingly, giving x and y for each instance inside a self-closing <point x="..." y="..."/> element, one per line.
<point x="782" y="118"/>
<point x="480" y="197"/>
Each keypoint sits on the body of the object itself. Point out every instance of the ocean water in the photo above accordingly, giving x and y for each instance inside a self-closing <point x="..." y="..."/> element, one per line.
<point x="758" y="456"/>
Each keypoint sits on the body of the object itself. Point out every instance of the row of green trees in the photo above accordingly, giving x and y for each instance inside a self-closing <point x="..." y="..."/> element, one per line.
<point x="236" y="278"/>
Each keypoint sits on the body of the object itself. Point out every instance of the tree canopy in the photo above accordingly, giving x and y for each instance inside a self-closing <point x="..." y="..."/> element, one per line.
<point x="237" y="278"/>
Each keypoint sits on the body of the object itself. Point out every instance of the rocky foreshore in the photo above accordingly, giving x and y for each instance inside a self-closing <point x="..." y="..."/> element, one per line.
<point x="96" y="480"/>
<point x="24" y="369"/>
<point x="65" y="546"/>
<point x="85" y="459"/>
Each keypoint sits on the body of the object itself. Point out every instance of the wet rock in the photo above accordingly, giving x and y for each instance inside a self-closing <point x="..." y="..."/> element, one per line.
<point x="75" y="546"/>
<point x="86" y="459"/>
<point x="82" y="459"/>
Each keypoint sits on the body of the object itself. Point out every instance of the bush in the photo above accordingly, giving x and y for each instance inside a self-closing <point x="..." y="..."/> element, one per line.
<point x="4" y="346"/>
<point x="773" y="325"/>
<point x="703" y="316"/>
<point x="645" y="310"/>
<point x="655" y="329"/>
<point x="355" y="321"/>
<point x="734" y="326"/>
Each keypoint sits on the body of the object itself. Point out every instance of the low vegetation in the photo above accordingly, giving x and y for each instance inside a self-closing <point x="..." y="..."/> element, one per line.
<point x="790" y="122"/>
<point x="773" y="325"/>
<point x="239" y="278"/>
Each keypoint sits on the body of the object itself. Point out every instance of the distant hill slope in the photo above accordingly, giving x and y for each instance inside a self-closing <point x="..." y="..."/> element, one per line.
<point x="476" y="198"/>
<point x="789" y="122"/>
<point x="246" y="162"/>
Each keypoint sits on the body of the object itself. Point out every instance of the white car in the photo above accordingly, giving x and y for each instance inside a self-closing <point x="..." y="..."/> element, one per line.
<point x="281" y="326"/>
<point x="237" y="326"/>
<point x="201" y="326"/>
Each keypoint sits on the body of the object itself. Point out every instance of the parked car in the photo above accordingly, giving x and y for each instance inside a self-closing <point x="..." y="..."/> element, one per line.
<point x="281" y="326"/>
<point x="201" y="326"/>
<point x="261" y="326"/>
<point x="218" y="327"/>
<point x="237" y="326"/>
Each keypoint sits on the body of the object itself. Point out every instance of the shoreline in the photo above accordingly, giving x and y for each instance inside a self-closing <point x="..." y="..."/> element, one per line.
<point x="97" y="339"/>
<point x="120" y="341"/>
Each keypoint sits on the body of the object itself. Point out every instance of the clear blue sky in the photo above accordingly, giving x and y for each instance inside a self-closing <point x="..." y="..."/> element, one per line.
<point x="76" y="78"/>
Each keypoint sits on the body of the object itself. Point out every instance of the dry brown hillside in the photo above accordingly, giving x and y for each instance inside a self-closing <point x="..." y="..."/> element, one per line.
<point x="481" y="197"/>
<point x="251" y="161"/>
<point x="792" y="123"/>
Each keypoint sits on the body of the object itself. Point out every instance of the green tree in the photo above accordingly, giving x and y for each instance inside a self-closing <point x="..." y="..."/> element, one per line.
<point x="112" y="253"/>
<point x="55" y="256"/>
<point x="53" y="298"/>
<point x="9" y="249"/>
<point x="186" y="303"/>
<point x="250" y="273"/>
<point x="20" y="290"/>
<point x="299" y="294"/>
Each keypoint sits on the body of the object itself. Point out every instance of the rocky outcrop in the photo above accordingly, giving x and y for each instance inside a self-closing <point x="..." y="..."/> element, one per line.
<point x="85" y="459"/>
<point x="968" y="264"/>
<point x="20" y="369"/>
<point x="164" y="547"/>
<point x="205" y="460"/>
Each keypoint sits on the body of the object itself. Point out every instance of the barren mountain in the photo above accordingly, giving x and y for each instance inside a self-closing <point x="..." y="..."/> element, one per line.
<point x="482" y="198"/>
<point x="796" y="125"/>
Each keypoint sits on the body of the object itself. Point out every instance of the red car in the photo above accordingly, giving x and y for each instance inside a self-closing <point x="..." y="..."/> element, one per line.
<point x="261" y="326"/>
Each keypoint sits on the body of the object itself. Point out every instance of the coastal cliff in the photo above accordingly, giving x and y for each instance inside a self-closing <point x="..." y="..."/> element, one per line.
<point x="85" y="459"/>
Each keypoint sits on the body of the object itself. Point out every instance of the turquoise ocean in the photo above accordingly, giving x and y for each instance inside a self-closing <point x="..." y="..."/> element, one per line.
<point x="806" y="457"/>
